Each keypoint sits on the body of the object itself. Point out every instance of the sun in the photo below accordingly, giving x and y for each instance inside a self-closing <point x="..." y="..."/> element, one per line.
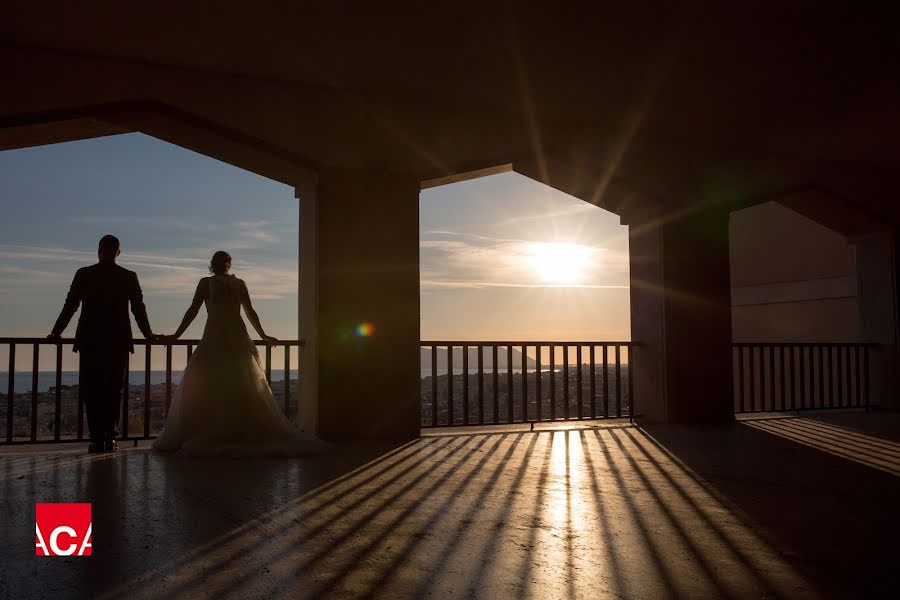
<point x="559" y="263"/>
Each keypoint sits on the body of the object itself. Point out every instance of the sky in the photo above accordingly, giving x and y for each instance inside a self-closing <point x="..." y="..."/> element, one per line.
<point x="502" y="257"/>
<point x="507" y="258"/>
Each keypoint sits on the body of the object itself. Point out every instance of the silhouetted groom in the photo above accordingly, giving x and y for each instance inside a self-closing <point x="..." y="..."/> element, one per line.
<point x="103" y="338"/>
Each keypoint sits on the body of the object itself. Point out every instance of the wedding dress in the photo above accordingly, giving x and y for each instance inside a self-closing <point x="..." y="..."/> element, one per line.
<point x="224" y="405"/>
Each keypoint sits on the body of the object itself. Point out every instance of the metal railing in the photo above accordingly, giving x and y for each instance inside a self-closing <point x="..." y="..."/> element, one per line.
<point x="154" y="407"/>
<point x="771" y="377"/>
<point x="490" y="383"/>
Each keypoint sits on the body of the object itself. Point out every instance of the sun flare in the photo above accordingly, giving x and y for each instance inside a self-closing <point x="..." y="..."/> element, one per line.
<point x="558" y="263"/>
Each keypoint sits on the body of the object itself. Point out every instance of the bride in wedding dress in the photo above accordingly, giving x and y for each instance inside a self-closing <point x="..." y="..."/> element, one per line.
<point x="224" y="405"/>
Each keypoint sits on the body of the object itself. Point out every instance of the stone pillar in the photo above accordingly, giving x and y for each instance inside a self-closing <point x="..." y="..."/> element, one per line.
<point x="307" y="305"/>
<point x="681" y="314"/>
<point x="359" y="297"/>
<point x="877" y="260"/>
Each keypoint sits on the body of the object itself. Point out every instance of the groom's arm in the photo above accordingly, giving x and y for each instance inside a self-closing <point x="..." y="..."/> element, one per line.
<point x="136" y="298"/>
<point x="73" y="300"/>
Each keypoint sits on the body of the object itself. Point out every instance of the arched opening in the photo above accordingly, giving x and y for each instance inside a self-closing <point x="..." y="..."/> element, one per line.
<point x="171" y="208"/>
<point x="799" y="310"/>
<point x="525" y="305"/>
<point x="792" y="279"/>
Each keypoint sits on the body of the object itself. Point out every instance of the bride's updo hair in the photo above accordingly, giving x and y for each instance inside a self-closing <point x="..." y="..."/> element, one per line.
<point x="220" y="263"/>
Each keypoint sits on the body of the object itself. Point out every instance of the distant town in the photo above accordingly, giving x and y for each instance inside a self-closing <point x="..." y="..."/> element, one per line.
<point x="480" y="398"/>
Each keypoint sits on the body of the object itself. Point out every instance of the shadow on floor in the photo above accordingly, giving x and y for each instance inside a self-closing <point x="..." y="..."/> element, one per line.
<point x="823" y="489"/>
<point x="653" y="512"/>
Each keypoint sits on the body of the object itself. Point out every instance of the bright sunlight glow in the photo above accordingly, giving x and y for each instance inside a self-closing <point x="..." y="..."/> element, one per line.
<point x="557" y="263"/>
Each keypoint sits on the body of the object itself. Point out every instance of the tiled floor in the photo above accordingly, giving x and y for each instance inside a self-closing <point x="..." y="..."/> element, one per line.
<point x="796" y="507"/>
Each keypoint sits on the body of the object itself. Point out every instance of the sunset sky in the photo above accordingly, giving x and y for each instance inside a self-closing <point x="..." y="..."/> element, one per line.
<point x="502" y="257"/>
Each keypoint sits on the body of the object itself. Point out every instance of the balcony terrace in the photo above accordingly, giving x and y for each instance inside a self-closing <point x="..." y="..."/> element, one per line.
<point x="783" y="506"/>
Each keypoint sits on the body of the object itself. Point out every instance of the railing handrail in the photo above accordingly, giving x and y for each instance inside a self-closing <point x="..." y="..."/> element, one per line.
<point x="136" y="341"/>
<point x="525" y="343"/>
<point x="802" y="344"/>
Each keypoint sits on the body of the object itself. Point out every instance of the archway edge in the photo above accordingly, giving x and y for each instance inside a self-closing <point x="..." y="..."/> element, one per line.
<point x="164" y="122"/>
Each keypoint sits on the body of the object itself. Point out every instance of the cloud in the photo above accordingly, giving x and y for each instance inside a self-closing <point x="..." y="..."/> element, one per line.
<point x="32" y="270"/>
<point x="457" y="284"/>
<point x="569" y="211"/>
<point x="253" y="234"/>
<point x="243" y="235"/>
<point x="167" y="223"/>
<point x="472" y="261"/>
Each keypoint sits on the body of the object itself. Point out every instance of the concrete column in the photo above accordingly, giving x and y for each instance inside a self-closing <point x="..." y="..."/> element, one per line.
<point x="877" y="260"/>
<point x="307" y="305"/>
<point x="681" y="314"/>
<point x="359" y="303"/>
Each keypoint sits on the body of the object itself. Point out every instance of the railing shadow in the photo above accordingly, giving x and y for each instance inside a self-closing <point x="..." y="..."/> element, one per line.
<point x="674" y="512"/>
<point x="154" y="514"/>
<point x="824" y="495"/>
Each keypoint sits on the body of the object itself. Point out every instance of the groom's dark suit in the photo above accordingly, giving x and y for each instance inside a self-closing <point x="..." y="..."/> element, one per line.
<point x="103" y="339"/>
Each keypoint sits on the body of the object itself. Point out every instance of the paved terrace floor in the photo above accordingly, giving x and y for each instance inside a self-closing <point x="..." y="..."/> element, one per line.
<point x="784" y="507"/>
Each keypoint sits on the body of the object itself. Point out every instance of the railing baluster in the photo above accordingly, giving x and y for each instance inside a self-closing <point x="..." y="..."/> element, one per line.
<point x="856" y="355"/>
<point x="742" y="401"/>
<point x="771" y="377"/>
<point x="866" y="375"/>
<point x="537" y="384"/>
<point x="552" y="382"/>
<point x="287" y="382"/>
<point x="57" y="417"/>
<point x="465" y="374"/>
<point x="434" y="386"/>
<point x="269" y="364"/>
<point x="566" y="382"/>
<point x="125" y="394"/>
<point x="793" y="371"/>
<point x="148" y="392"/>
<point x="605" y="381"/>
<point x="618" y="381"/>
<point x="524" y="384"/>
<point x="480" y="384"/>
<point x="578" y="381"/>
<point x="806" y="391"/>
<point x="496" y="381"/>
<point x="593" y="387"/>
<point x="11" y="393"/>
<point x="782" y="364"/>
<point x="840" y="375"/>
<point x="752" y="365"/>
<point x="168" y="378"/>
<point x="509" y="384"/>
<point x="450" y="385"/>
<point x="190" y="351"/>
<point x="35" y="364"/>
<point x="830" y="379"/>
<point x="822" y="391"/>
<point x="848" y="376"/>
<point x="631" y="401"/>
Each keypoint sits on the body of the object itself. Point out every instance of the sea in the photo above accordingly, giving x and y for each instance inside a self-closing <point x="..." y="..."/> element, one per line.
<point x="47" y="379"/>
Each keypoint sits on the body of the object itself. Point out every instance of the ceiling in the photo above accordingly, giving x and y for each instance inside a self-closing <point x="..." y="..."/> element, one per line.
<point x="670" y="99"/>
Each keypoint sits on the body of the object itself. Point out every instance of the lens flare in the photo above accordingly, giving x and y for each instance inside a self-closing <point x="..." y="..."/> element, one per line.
<point x="365" y="330"/>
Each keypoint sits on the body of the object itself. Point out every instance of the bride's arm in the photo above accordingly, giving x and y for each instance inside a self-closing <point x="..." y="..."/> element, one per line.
<point x="251" y="314"/>
<point x="191" y="314"/>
